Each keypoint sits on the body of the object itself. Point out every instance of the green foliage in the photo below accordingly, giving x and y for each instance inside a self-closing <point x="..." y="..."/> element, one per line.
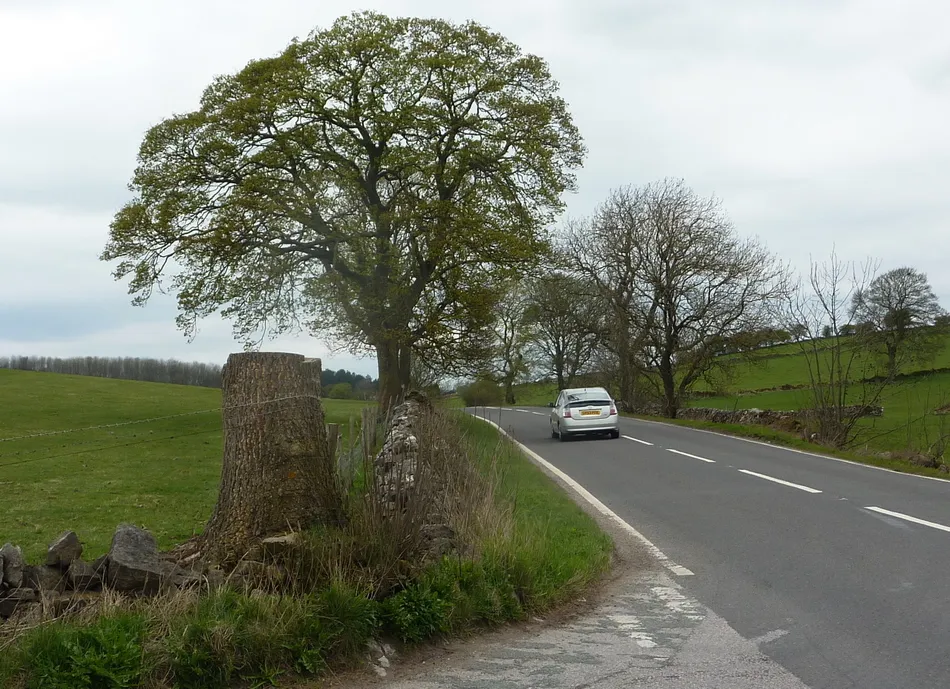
<point x="454" y="596"/>
<point x="340" y="391"/>
<point x="378" y="178"/>
<point x="105" y="655"/>
<point x="481" y="393"/>
<point x="417" y="613"/>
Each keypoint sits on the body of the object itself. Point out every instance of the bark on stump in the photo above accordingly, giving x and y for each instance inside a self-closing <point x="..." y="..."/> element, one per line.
<point x="277" y="474"/>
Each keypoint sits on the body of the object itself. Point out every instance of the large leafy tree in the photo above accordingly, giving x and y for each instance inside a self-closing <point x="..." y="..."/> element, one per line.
<point x="899" y="311"/>
<point x="371" y="183"/>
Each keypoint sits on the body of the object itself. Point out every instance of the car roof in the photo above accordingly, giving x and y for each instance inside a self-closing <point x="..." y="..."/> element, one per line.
<point x="586" y="391"/>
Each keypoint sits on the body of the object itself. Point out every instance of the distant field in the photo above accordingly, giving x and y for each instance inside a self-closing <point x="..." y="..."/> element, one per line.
<point x="908" y="421"/>
<point x="162" y="474"/>
<point x="788" y="365"/>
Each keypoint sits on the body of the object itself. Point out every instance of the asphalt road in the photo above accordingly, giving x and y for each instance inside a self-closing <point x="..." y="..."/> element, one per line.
<point x="841" y="572"/>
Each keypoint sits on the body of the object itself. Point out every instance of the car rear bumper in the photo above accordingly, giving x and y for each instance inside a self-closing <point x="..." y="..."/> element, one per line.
<point x="593" y="426"/>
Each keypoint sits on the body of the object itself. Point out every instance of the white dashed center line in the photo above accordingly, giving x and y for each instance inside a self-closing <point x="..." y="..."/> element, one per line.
<point x="686" y="454"/>
<point x="778" y="480"/>
<point x="907" y="517"/>
<point x="637" y="440"/>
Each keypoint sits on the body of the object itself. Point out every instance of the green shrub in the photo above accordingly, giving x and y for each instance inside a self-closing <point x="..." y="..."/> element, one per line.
<point x="481" y="393"/>
<point x="105" y="655"/>
<point x="340" y="391"/>
<point x="417" y="613"/>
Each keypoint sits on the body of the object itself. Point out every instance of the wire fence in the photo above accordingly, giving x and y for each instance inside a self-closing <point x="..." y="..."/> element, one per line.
<point x="17" y="457"/>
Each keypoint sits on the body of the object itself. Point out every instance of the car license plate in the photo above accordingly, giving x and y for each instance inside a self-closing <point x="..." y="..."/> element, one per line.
<point x="590" y="412"/>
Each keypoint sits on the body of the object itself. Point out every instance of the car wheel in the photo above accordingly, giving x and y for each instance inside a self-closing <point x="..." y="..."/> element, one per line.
<point x="614" y="434"/>
<point x="561" y="435"/>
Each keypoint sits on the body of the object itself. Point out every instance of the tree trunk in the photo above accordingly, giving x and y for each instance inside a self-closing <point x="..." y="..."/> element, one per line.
<point x="395" y="373"/>
<point x="670" y="398"/>
<point x="892" y="360"/>
<point x="277" y="472"/>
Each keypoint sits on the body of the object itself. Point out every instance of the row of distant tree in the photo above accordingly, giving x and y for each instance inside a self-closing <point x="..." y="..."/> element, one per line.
<point x="341" y="384"/>
<point x="345" y="384"/>
<point x="124" y="368"/>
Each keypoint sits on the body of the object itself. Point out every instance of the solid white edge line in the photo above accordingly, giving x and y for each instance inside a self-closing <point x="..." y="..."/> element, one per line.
<point x="637" y="440"/>
<point x="790" y="449"/>
<point x="676" y="569"/>
<point x="907" y="517"/>
<point x="686" y="454"/>
<point x="778" y="480"/>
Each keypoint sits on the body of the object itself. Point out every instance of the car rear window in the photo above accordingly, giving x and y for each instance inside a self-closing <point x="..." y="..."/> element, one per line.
<point x="593" y="402"/>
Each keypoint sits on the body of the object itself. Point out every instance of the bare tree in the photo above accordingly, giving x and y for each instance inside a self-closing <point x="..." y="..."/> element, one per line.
<point x="566" y="326"/>
<point x="514" y="334"/>
<point x="424" y="376"/>
<point x="683" y="285"/>
<point x="124" y="368"/>
<point x="900" y="309"/>
<point x="840" y="369"/>
<point x="602" y="251"/>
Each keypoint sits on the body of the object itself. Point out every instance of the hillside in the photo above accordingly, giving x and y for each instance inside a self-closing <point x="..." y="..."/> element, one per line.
<point x="160" y="472"/>
<point x="774" y="367"/>
<point x="908" y="422"/>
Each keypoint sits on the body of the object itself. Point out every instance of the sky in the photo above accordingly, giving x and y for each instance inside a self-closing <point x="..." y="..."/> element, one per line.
<point x="820" y="125"/>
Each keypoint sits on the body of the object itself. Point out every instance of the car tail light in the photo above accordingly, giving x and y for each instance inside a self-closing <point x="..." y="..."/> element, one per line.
<point x="567" y="413"/>
<point x="613" y="410"/>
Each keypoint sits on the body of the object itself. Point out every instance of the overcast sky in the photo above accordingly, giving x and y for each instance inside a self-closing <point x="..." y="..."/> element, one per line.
<point x="818" y="123"/>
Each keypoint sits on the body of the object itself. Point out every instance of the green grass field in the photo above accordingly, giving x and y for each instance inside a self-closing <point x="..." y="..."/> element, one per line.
<point x="161" y="474"/>
<point x="788" y="365"/>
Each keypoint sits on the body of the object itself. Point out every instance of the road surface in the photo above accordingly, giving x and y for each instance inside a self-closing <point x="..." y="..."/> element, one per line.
<point x="840" y="572"/>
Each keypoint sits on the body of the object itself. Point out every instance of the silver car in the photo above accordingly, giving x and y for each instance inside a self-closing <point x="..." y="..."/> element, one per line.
<point x="584" y="411"/>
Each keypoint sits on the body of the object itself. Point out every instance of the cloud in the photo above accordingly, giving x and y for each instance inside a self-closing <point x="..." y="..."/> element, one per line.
<point x="818" y="125"/>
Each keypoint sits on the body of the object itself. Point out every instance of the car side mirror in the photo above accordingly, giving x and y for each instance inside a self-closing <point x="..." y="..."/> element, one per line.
<point x="550" y="404"/>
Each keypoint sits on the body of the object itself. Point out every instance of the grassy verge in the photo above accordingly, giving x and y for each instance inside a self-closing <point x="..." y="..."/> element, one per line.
<point x="785" y="439"/>
<point x="523" y="546"/>
<point x="908" y="424"/>
<point x="161" y="474"/>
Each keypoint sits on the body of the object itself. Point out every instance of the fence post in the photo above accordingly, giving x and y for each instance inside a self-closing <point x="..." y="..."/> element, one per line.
<point x="333" y="440"/>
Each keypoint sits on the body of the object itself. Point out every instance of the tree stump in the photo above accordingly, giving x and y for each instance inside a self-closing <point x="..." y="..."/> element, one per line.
<point x="277" y="474"/>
